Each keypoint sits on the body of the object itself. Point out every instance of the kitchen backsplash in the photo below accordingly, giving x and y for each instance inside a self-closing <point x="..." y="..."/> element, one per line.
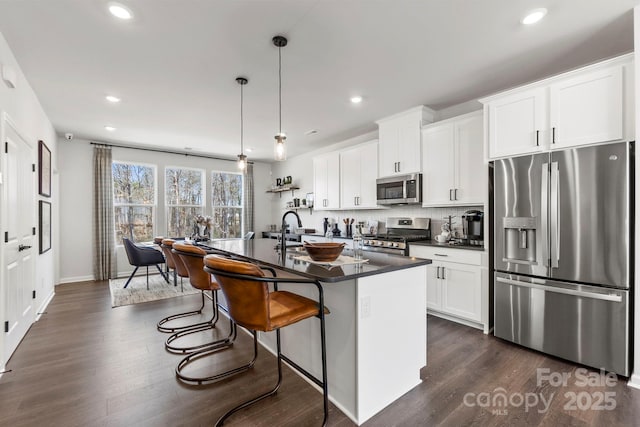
<point x="438" y="216"/>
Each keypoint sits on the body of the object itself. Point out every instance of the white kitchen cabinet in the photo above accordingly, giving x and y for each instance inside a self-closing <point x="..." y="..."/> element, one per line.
<point x="587" y="108"/>
<point x="593" y="104"/>
<point x="434" y="288"/>
<point x="400" y="141"/>
<point x="457" y="284"/>
<point x="326" y="181"/>
<point x="461" y="290"/>
<point x="358" y="173"/>
<point x="517" y="123"/>
<point x="454" y="172"/>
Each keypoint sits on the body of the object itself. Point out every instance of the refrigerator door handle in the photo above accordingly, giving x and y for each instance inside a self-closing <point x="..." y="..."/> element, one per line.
<point x="554" y="216"/>
<point x="605" y="296"/>
<point x="544" y="214"/>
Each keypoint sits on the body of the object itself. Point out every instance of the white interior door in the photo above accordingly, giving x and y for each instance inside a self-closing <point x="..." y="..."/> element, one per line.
<point x="18" y="233"/>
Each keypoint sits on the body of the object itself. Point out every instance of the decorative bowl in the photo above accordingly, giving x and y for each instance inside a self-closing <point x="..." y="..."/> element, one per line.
<point x="324" y="252"/>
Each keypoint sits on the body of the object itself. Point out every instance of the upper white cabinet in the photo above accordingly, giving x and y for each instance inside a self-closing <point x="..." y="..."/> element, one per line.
<point x="400" y="141"/>
<point x="358" y="173"/>
<point x="454" y="172"/>
<point x="326" y="181"/>
<point x="590" y="105"/>
<point x="587" y="108"/>
<point x="517" y="123"/>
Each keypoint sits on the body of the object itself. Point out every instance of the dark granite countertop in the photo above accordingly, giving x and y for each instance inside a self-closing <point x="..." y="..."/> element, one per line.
<point x="447" y="245"/>
<point x="265" y="252"/>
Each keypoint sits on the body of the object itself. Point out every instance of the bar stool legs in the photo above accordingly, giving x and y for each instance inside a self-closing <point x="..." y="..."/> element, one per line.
<point x="167" y="329"/>
<point x="213" y="349"/>
<point x="201" y="327"/>
<point x="281" y="357"/>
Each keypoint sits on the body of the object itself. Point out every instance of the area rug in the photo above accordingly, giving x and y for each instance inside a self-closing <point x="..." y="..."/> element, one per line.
<point x="137" y="291"/>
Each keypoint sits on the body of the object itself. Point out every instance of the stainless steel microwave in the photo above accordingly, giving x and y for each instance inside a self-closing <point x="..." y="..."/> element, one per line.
<point x="400" y="189"/>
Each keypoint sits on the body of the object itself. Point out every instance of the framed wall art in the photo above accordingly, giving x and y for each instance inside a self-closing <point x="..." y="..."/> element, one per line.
<point x="44" y="170"/>
<point x="45" y="226"/>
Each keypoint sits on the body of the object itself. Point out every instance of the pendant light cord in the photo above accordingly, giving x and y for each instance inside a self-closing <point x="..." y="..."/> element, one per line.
<point x="280" y="87"/>
<point x="241" y="119"/>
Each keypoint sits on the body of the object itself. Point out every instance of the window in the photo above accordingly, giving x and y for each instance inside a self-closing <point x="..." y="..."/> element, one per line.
<point x="226" y="202"/>
<point x="183" y="192"/>
<point x="134" y="200"/>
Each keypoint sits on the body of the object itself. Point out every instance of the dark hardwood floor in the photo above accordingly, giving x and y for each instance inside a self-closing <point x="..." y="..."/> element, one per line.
<point x="86" y="364"/>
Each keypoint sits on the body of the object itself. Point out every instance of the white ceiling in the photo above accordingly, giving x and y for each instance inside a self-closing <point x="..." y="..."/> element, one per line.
<point x="174" y="65"/>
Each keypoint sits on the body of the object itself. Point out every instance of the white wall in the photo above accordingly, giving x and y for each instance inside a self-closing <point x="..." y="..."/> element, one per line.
<point x="23" y="108"/>
<point x="76" y="202"/>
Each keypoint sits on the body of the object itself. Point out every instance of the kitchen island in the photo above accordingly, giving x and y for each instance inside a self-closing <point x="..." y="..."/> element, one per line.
<point x="376" y="331"/>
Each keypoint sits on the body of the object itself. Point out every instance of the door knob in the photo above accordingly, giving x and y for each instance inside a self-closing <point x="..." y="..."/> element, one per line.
<point x="22" y="248"/>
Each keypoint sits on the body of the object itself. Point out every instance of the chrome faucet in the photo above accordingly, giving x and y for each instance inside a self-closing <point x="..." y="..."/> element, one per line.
<point x="283" y="246"/>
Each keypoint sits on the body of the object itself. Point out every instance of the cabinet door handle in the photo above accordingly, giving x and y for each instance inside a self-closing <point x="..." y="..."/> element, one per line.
<point x="398" y="166"/>
<point x="437" y="272"/>
<point x="450" y="197"/>
<point x="441" y="255"/>
<point x="553" y="135"/>
<point x="358" y="199"/>
<point x="443" y="273"/>
<point x="537" y="138"/>
<point x="455" y="194"/>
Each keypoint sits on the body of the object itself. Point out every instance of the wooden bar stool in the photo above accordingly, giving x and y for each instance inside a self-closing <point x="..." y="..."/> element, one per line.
<point x="180" y="270"/>
<point x="252" y="306"/>
<point x="191" y="257"/>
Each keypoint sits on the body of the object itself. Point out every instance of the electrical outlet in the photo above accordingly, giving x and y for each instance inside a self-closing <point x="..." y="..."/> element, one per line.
<point x="365" y="307"/>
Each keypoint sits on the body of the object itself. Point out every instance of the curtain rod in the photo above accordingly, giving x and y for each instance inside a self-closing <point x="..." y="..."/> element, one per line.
<point x="158" y="150"/>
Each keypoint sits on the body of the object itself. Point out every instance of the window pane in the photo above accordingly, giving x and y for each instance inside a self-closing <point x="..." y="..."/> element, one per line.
<point x="227" y="223"/>
<point x="226" y="189"/>
<point x="134" y="222"/>
<point x="181" y="220"/>
<point x="133" y="184"/>
<point x="183" y="186"/>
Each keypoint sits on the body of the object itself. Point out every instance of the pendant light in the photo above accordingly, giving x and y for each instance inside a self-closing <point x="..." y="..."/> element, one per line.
<point x="280" y="150"/>
<point x="242" y="158"/>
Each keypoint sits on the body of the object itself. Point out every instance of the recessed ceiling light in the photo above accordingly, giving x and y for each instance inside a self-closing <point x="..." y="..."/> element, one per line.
<point x="356" y="99"/>
<point x="120" y="11"/>
<point x="112" y="98"/>
<point x="534" y="16"/>
<point x="110" y="128"/>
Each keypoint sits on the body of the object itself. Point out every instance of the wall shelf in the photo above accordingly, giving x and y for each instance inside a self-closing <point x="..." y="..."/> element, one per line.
<point x="280" y="190"/>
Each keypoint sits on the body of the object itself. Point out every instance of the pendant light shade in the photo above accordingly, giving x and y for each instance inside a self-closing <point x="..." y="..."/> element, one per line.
<point x="242" y="158"/>
<point x="280" y="149"/>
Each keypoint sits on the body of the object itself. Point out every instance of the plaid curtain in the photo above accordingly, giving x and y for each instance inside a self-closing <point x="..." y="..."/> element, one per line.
<point x="104" y="258"/>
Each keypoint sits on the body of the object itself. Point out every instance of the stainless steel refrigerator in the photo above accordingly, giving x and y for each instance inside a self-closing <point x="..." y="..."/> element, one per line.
<point x="563" y="253"/>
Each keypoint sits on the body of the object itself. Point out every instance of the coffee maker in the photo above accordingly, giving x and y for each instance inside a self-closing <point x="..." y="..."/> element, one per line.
<point x="473" y="228"/>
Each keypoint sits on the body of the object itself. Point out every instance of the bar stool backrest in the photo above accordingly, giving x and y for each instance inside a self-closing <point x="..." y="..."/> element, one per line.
<point x="192" y="258"/>
<point x="247" y="300"/>
<point x="166" y="245"/>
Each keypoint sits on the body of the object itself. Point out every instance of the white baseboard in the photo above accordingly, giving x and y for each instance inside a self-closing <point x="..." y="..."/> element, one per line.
<point x="75" y="279"/>
<point x="465" y="322"/>
<point x="44" y="305"/>
<point x="634" y="381"/>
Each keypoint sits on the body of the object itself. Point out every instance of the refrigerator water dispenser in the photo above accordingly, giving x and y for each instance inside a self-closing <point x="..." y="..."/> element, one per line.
<point x="520" y="240"/>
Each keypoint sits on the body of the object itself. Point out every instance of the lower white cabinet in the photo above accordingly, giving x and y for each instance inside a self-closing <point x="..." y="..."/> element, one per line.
<point x="456" y="284"/>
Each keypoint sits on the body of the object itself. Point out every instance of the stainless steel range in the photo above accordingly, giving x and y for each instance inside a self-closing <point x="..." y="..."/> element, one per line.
<point x="400" y="231"/>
